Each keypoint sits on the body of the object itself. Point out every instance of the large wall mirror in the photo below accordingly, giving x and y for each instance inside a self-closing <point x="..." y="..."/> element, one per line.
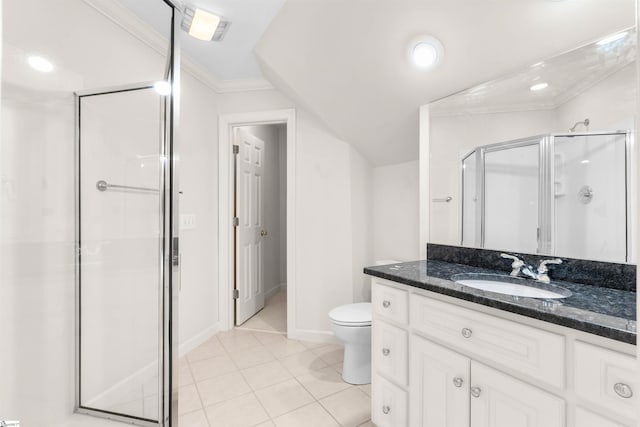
<point x="541" y="160"/>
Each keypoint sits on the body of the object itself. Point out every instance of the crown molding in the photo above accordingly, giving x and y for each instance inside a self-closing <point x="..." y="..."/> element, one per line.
<point x="131" y="23"/>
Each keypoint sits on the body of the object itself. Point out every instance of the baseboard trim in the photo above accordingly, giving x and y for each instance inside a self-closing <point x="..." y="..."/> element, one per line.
<point x="275" y="290"/>
<point x="198" y="339"/>
<point x="311" y="335"/>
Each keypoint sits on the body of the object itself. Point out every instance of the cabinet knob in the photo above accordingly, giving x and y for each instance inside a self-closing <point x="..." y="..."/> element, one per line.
<point x="457" y="381"/>
<point x="475" y="391"/>
<point x="386" y="409"/>
<point x="623" y="390"/>
<point x="386" y="351"/>
<point x="386" y="303"/>
<point x="466" y="332"/>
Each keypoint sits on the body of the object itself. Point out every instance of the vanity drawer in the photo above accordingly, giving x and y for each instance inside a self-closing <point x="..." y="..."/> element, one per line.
<point x="533" y="352"/>
<point x="391" y="303"/>
<point x="388" y="404"/>
<point x="606" y="378"/>
<point x="390" y="356"/>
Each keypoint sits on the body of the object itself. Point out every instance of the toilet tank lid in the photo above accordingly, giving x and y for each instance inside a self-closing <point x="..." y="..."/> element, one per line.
<point x="387" y="261"/>
<point x="352" y="313"/>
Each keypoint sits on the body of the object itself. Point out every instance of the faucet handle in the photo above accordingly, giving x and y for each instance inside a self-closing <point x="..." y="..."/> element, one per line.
<point x="542" y="268"/>
<point x="516" y="265"/>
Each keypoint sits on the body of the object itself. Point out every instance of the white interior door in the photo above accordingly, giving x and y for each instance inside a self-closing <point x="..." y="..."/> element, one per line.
<point x="250" y="230"/>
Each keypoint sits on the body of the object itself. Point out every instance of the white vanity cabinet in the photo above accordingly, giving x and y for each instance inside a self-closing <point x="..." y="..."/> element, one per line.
<point x="474" y="366"/>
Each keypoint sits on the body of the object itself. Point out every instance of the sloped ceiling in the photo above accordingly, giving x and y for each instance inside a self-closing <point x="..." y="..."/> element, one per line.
<point x="346" y="61"/>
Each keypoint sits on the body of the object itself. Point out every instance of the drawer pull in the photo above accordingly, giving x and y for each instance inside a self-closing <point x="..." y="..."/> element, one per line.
<point x="386" y="303"/>
<point x="475" y="391"/>
<point x="466" y="332"/>
<point x="623" y="390"/>
<point x="386" y="409"/>
<point x="457" y="381"/>
<point x="386" y="351"/>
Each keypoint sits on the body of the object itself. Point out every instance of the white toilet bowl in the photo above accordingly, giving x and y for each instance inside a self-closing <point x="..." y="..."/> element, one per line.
<point x="352" y="325"/>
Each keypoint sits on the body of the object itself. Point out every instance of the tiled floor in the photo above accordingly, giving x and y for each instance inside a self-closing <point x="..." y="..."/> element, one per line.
<point x="252" y="378"/>
<point x="273" y="317"/>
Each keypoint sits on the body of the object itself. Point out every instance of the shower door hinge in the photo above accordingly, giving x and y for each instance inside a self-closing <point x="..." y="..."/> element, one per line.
<point x="236" y="149"/>
<point x="236" y="221"/>
<point x="236" y="294"/>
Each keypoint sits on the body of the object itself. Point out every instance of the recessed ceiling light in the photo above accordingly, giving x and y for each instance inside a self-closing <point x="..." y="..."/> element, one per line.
<point x="40" y="64"/>
<point x="203" y="24"/>
<point x="162" y="87"/>
<point x="539" y="86"/>
<point x="612" y="38"/>
<point x="425" y="52"/>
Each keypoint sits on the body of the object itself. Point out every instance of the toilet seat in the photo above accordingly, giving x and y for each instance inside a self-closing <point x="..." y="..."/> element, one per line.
<point x="352" y="315"/>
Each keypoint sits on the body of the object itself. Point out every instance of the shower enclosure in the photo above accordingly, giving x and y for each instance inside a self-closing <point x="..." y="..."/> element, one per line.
<point x="127" y="248"/>
<point x="560" y="194"/>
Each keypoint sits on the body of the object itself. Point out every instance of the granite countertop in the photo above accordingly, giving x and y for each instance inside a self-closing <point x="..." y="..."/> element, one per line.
<point x="597" y="310"/>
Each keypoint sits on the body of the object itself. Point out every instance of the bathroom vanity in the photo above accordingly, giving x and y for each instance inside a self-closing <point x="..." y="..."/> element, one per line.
<point x="447" y="355"/>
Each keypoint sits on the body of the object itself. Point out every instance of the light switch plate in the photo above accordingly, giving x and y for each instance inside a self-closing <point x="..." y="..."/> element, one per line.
<point x="187" y="221"/>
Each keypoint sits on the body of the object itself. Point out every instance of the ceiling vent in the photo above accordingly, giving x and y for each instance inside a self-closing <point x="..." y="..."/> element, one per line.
<point x="221" y="31"/>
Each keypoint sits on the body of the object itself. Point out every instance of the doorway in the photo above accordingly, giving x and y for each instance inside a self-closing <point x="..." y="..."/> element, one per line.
<point x="256" y="195"/>
<point x="260" y="229"/>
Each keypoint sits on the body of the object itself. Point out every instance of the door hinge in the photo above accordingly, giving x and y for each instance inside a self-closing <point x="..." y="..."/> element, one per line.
<point x="236" y="221"/>
<point x="236" y="149"/>
<point x="236" y="294"/>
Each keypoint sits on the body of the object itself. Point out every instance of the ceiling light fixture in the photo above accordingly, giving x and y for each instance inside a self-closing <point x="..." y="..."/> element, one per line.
<point x="39" y="63"/>
<point x="204" y="25"/>
<point x="162" y="87"/>
<point x="425" y="52"/>
<point x="613" y="38"/>
<point x="539" y="86"/>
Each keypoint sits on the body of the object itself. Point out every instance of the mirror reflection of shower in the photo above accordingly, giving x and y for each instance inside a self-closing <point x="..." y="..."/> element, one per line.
<point x="559" y="194"/>
<point x="585" y="122"/>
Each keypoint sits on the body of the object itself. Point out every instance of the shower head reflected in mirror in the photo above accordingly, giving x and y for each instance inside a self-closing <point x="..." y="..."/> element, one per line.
<point x="585" y="122"/>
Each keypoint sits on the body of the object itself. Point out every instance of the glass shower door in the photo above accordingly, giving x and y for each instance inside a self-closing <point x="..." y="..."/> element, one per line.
<point x="590" y="187"/>
<point x="121" y="252"/>
<point x="511" y="202"/>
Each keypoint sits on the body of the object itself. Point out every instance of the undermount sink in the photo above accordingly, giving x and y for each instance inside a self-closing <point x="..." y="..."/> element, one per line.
<point x="510" y="286"/>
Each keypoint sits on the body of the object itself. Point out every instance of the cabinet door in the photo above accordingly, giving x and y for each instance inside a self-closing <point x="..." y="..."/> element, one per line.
<point x="439" y="386"/>
<point x="498" y="400"/>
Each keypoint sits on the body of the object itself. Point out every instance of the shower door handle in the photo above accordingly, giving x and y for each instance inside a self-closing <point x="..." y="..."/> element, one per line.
<point x="175" y="255"/>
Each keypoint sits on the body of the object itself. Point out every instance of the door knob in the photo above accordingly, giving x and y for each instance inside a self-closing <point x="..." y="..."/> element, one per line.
<point x="263" y="233"/>
<point x="457" y="381"/>
<point x="475" y="391"/>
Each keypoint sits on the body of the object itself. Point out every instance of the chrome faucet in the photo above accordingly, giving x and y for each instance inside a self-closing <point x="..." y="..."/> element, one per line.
<point x="519" y="267"/>
<point x="543" y="270"/>
<point x="516" y="265"/>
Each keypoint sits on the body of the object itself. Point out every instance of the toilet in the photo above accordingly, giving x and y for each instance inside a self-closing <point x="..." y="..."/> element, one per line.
<point x="352" y="325"/>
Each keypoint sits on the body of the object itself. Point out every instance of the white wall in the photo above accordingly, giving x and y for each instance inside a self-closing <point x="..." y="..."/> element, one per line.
<point x="396" y="212"/>
<point x="198" y="177"/>
<point x="609" y="105"/>
<point x="274" y="262"/>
